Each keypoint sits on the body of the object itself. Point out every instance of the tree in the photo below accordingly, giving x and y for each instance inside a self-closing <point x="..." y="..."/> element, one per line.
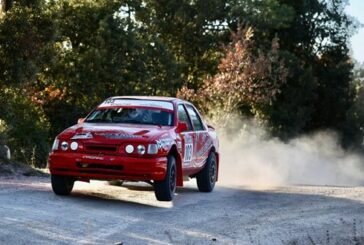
<point x="313" y="37"/>
<point x="27" y="128"/>
<point x="25" y="37"/>
<point x="246" y="79"/>
<point x="192" y="30"/>
<point x="353" y="127"/>
<point x="101" y="53"/>
<point x="318" y="37"/>
<point x="64" y="57"/>
<point x="26" y="33"/>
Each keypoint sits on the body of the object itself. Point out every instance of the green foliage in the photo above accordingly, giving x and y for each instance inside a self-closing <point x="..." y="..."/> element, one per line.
<point x="26" y="127"/>
<point x="335" y="89"/>
<point x="101" y="53"/>
<point x="25" y="49"/>
<point x="193" y="30"/>
<point x="291" y="111"/>
<point x="353" y="127"/>
<point x="317" y="37"/>
<point x="319" y="90"/>
<point x="265" y="15"/>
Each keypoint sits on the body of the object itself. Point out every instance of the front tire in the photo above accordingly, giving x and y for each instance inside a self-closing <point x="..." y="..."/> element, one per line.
<point x="62" y="185"/>
<point x="164" y="190"/>
<point x="206" y="178"/>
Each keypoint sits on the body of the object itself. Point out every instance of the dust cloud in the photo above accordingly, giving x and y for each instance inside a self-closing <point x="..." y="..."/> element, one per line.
<point x="249" y="157"/>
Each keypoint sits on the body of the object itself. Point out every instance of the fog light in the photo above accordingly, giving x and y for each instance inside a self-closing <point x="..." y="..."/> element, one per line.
<point x="64" y="146"/>
<point x="129" y="149"/>
<point x="141" y="149"/>
<point x="74" y="146"/>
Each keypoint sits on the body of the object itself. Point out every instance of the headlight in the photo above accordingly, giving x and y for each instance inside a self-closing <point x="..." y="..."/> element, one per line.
<point x="64" y="146"/>
<point x="129" y="149"/>
<point x="55" y="145"/>
<point x="152" y="149"/>
<point x="141" y="149"/>
<point x="74" y="146"/>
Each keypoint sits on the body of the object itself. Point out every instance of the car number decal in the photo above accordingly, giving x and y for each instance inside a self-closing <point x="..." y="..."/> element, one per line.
<point x="188" y="152"/>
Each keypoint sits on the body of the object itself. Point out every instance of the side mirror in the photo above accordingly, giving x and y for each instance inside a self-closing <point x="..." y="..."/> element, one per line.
<point x="182" y="127"/>
<point x="80" y="120"/>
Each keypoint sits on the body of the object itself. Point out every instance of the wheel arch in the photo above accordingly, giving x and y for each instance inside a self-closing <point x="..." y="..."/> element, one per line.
<point x="174" y="152"/>
<point x="213" y="150"/>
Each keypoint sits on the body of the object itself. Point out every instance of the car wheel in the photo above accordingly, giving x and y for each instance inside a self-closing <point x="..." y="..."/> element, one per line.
<point x="62" y="185"/>
<point x="206" y="178"/>
<point x="164" y="190"/>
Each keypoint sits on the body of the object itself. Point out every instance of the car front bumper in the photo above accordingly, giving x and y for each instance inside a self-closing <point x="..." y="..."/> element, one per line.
<point x="107" y="167"/>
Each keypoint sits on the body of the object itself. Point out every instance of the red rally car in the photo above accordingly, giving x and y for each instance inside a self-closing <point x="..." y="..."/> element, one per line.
<point x="158" y="140"/>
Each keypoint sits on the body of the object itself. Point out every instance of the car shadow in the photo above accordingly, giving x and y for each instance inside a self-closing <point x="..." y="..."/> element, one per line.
<point x="101" y="200"/>
<point x="140" y="186"/>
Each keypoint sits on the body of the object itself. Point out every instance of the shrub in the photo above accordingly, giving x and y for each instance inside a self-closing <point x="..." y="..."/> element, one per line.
<point x="26" y="128"/>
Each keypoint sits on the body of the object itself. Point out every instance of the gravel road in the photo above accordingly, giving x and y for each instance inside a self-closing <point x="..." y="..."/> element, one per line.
<point x="97" y="213"/>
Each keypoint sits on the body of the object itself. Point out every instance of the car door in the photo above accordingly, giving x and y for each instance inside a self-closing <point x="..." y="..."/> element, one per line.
<point x="187" y="138"/>
<point x="201" y="138"/>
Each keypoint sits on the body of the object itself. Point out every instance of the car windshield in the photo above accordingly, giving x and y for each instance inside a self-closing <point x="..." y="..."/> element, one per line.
<point x="131" y="115"/>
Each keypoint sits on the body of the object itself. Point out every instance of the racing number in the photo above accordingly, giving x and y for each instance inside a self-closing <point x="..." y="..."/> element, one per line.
<point x="188" y="152"/>
<point x="109" y="101"/>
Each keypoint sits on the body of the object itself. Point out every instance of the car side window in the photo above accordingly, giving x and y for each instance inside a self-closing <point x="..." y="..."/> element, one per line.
<point x="195" y="118"/>
<point x="183" y="117"/>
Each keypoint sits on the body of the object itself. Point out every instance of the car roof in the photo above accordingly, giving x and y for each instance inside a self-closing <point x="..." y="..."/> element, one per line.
<point x="157" y="98"/>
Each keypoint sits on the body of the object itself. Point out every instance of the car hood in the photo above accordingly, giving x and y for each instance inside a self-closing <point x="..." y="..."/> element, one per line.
<point x="117" y="131"/>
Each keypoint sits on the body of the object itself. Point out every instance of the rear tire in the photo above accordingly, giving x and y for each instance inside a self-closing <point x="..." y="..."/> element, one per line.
<point x="62" y="185"/>
<point x="164" y="190"/>
<point x="206" y="178"/>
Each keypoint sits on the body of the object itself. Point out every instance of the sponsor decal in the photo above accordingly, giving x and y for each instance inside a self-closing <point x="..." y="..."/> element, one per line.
<point x="118" y="135"/>
<point x="93" y="157"/>
<point x="206" y="147"/>
<point x="141" y="103"/>
<point x="164" y="143"/>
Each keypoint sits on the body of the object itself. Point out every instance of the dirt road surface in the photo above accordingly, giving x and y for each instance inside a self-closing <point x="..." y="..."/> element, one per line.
<point x="98" y="213"/>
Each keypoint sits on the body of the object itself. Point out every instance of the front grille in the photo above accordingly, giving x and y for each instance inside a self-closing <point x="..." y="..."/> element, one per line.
<point x="99" y="166"/>
<point x="101" y="148"/>
<point x="90" y="171"/>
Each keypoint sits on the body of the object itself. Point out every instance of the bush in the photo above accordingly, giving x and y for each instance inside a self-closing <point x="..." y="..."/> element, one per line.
<point x="26" y="128"/>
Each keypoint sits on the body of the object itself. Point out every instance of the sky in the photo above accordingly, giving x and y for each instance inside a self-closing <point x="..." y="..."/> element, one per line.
<point x="356" y="9"/>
